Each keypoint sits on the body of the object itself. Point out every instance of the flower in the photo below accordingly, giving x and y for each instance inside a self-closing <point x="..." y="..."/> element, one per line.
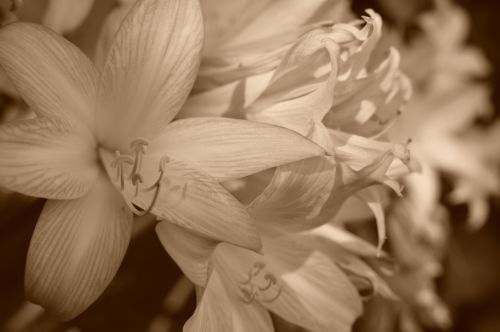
<point x="335" y="87"/>
<point x="239" y="287"/>
<point x="101" y="148"/>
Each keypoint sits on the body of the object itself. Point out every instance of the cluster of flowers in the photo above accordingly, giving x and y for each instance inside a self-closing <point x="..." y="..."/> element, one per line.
<point x="255" y="133"/>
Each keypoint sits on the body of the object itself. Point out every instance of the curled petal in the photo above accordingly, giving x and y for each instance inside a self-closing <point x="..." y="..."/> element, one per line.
<point x="149" y="70"/>
<point x="46" y="158"/>
<point x="76" y="249"/>
<point x="373" y="198"/>
<point x="297" y="95"/>
<point x="357" y="152"/>
<point x="366" y="105"/>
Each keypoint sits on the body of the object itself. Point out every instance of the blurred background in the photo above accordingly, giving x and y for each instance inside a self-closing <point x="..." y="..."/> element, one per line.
<point x="149" y="294"/>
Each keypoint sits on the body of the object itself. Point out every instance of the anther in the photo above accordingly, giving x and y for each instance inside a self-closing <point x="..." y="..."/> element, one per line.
<point x="139" y="144"/>
<point x="251" y="287"/>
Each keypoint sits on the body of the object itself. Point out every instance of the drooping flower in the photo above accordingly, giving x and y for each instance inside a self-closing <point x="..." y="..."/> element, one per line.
<point x="332" y="87"/>
<point x="86" y="149"/>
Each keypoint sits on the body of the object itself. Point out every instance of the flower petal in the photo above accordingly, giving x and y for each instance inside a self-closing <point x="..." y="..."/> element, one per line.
<point x="218" y="311"/>
<point x="76" y="249"/>
<point x="52" y="75"/>
<point x="272" y="17"/>
<point x="196" y="201"/>
<point x="296" y="193"/>
<point x="190" y="251"/>
<point x="230" y="149"/>
<point x="46" y="158"/>
<point x="149" y="70"/>
<point x="108" y="31"/>
<point x="298" y="95"/>
<point x="373" y="197"/>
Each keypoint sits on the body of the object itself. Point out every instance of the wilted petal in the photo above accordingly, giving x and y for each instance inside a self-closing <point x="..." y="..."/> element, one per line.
<point x="46" y="158"/>
<point x="149" y="70"/>
<point x="190" y="251"/>
<point x="358" y="151"/>
<point x="229" y="149"/>
<point x="297" y="95"/>
<point x="366" y="105"/>
<point x="373" y="198"/>
<point x="52" y="75"/>
<point x="76" y="249"/>
<point x="219" y="311"/>
<point x="303" y="202"/>
<point x="63" y="16"/>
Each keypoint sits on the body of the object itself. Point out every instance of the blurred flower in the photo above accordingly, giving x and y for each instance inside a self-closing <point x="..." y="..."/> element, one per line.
<point x="84" y="228"/>
<point x="439" y="120"/>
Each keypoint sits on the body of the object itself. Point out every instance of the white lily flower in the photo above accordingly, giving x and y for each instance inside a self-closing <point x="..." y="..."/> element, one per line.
<point x="288" y="278"/>
<point x="86" y="149"/>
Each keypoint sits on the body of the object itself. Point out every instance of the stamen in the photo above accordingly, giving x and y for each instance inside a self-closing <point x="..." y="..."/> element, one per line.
<point x="259" y="285"/>
<point x="139" y="147"/>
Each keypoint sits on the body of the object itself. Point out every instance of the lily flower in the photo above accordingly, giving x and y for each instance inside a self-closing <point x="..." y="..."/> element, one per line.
<point x="326" y="89"/>
<point x="240" y="287"/>
<point x="86" y="151"/>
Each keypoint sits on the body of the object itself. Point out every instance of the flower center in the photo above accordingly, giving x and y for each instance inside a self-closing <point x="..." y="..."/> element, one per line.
<point x="121" y="161"/>
<point x="260" y="285"/>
